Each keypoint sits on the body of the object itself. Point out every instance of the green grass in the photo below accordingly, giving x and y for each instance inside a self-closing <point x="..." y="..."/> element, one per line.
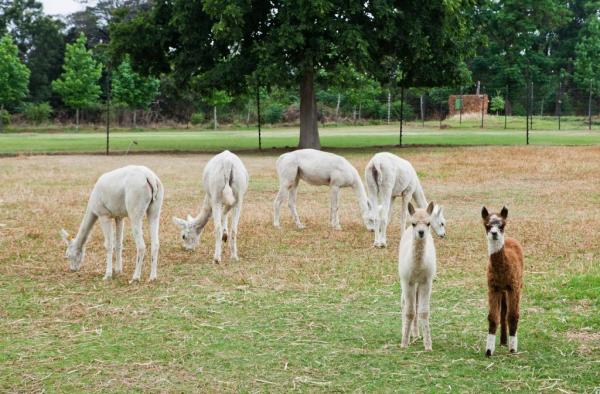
<point x="334" y="137"/>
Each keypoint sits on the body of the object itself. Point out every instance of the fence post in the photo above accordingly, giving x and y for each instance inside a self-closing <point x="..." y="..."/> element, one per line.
<point x="422" y="99"/>
<point x="590" y="108"/>
<point x="527" y="114"/>
<point x="401" y="111"/>
<point x="389" y="106"/>
<point x="482" y="104"/>
<point x="441" y="116"/>
<point x="462" y="104"/>
<point x="531" y="108"/>
<point x="107" y="111"/>
<point x="258" y="115"/>
<point x="559" y="103"/>
<point x="505" y="102"/>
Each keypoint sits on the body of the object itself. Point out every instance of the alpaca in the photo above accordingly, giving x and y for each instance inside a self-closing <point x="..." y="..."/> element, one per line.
<point x="505" y="281"/>
<point x="225" y="181"/>
<point x="131" y="191"/>
<point x="318" y="168"/>
<point x="416" y="268"/>
<point x="388" y="176"/>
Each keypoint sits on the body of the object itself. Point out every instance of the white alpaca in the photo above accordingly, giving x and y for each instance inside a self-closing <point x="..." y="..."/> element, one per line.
<point x="388" y="176"/>
<point x="225" y="181"/>
<point x="416" y="268"/>
<point x="318" y="168"/>
<point x="131" y="191"/>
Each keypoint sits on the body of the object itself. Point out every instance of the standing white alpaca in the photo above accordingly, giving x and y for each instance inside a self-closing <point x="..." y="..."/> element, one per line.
<point x="131" y="191"/>
<point x="320" y="169"/>
<point x="388" y="176"/>
<point x="225" y="181"/>
<point x="416" y="268"/>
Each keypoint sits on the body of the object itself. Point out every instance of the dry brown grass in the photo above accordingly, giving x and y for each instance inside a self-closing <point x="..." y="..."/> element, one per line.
<point x="553" y="194"/>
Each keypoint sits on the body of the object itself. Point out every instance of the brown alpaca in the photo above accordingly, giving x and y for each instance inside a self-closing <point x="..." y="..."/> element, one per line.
<point x="505" y="280"/>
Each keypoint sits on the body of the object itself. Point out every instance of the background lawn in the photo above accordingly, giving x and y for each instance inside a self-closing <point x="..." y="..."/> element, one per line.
<point x="176" y="140"/>
<point x="307" y="310"/>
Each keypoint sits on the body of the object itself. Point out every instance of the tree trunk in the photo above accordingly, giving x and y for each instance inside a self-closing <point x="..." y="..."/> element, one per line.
<point x="359" y="112"/>
<point x="1" y="114"/>
<point x="309" y="131"/>
<point x="134" y="119"/>
<point x="77" y="119"/>
<point x="389" y="107"/>
<point x="422" y="105"/>
<point x="337" y="107"/>
<point x="215" y="123"/>
<point x="248" y="117"/>
<point x="354" y="114"/>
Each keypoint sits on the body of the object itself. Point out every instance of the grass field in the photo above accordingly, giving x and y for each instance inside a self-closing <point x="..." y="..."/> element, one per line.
<point x="305" y="310"/>
<point x="177" y="140"/>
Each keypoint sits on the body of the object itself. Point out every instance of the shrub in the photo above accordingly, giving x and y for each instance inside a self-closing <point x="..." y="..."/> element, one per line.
<point x="4" y="118"/>
<point x="274" y="113"/>
<point x="497" y="104"/>
<point x="409" y="113"/>
<point x="37" y="113"/>
<point x="197" y="118"/>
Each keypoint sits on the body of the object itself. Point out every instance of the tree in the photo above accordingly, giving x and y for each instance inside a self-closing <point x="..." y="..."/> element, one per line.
<point x="587" y="52"/>
<point x="216" y="99"/>
<point x="14" y="75"/>
<point x="133" y="90"/>
<point x="78" y="85"/>
<point x="497" y="103"/>
<point x="228" y="44"/>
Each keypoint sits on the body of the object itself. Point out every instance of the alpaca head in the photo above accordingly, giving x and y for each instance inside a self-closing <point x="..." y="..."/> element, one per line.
<point x="438" y="221"/>
<point x="190" y="231"/>
<point x="370" y="216"/>
<point x="73" y="254"/>
<point x="420" y="220"/>
<point x="494" y="228"/>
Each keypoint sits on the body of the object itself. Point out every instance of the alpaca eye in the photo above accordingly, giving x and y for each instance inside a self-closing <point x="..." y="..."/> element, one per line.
<point x="414" y="224"/>
<point x="428" y="224"/>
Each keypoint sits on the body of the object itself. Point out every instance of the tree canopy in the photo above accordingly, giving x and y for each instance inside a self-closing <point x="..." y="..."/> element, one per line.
<point x="14" y="75"/>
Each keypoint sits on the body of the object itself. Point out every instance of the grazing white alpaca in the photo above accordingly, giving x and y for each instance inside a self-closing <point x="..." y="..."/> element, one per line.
<point x="318" y="168"/>
<point x="388" y="176"/>
<point x="225" y="181"/>
<point x="416" y="268"/>
<point x="131" y="191"/>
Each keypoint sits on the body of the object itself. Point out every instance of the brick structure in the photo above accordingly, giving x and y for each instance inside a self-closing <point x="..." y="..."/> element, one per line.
<point x="471" y="104"/>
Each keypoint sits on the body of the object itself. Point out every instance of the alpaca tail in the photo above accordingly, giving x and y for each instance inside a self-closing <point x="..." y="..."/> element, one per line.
<point x="377" y="175"/>
<point x="228" y="197"/>
<point x="155" y="187"/>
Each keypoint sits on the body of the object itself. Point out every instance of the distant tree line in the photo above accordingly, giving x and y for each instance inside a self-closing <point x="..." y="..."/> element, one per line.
<point x="208" y="61"/>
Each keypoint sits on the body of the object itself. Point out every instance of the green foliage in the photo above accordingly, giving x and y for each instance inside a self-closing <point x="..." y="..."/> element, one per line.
<point x="4" y="117"/>
<point x="218" y="98"/>
<point x="78" y="85"/>
<point x="587" y="52"/>
<point x="37" y="113"/>
<point x="14" y="75"/>
<point x="497" y="103"/>
<point x="274" y="113"/>
<point x="131" y="89"/>
<point x="197" y="118"/>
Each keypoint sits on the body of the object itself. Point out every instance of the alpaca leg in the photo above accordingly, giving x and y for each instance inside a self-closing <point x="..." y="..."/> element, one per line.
<point x="415" y="325"/>
<point x="494" y="298"/>
<point x="514" y="299"/>
<point x="138" y="235"/>
<point x="217" y="212"/>
<point x="154" y="223"/>
<point x="408" y="312"/>
<point x="385" y="221"/>
<point x="424" y="295"/>
<point x="237" y="210"/>
<point x="503" y="324"/>
<point x="225" y="217"/>
<point x="333" y="213"/>
<point x="120" y="223"/>
<point x="107" y="229"/>
<point x="292" y="206"/>
<point x="281" y="195"/>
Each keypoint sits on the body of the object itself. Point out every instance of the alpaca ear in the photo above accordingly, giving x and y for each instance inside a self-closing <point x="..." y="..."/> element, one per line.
<point x="179" y="222"/>
<point x="484" y="213"/>
<point x="504" y="213"/>
<point x="65" y="235"/>
<point x="190" y="218"/>
<point x="430" y="207"/>
<point x="411" y="209"/>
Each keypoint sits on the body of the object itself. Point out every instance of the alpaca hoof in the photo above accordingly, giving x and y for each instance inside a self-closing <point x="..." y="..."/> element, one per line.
<point x="134" y="280"/>
<point x="513" y="351"/>
<point x="488" y="353"/>
<point x="338" y="227"/>
<point x="235" y="257"/>
<point x="216" y="260"/>
<point x="224" y="237"/>
<point x="107" y="277"/>
<point x="428" y="349"/>
<point x="301" y="226"/>
<point x="151" y="279"/>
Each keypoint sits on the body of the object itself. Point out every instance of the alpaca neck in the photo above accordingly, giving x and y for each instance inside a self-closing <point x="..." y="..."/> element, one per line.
<point x="84" y="229"/>
<point x="419" y="249"/>
<point x="202" y="218"/>
<point x="361" y="194"/>
<point x="419" y="196"/>
<point x="495" y="246"/>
